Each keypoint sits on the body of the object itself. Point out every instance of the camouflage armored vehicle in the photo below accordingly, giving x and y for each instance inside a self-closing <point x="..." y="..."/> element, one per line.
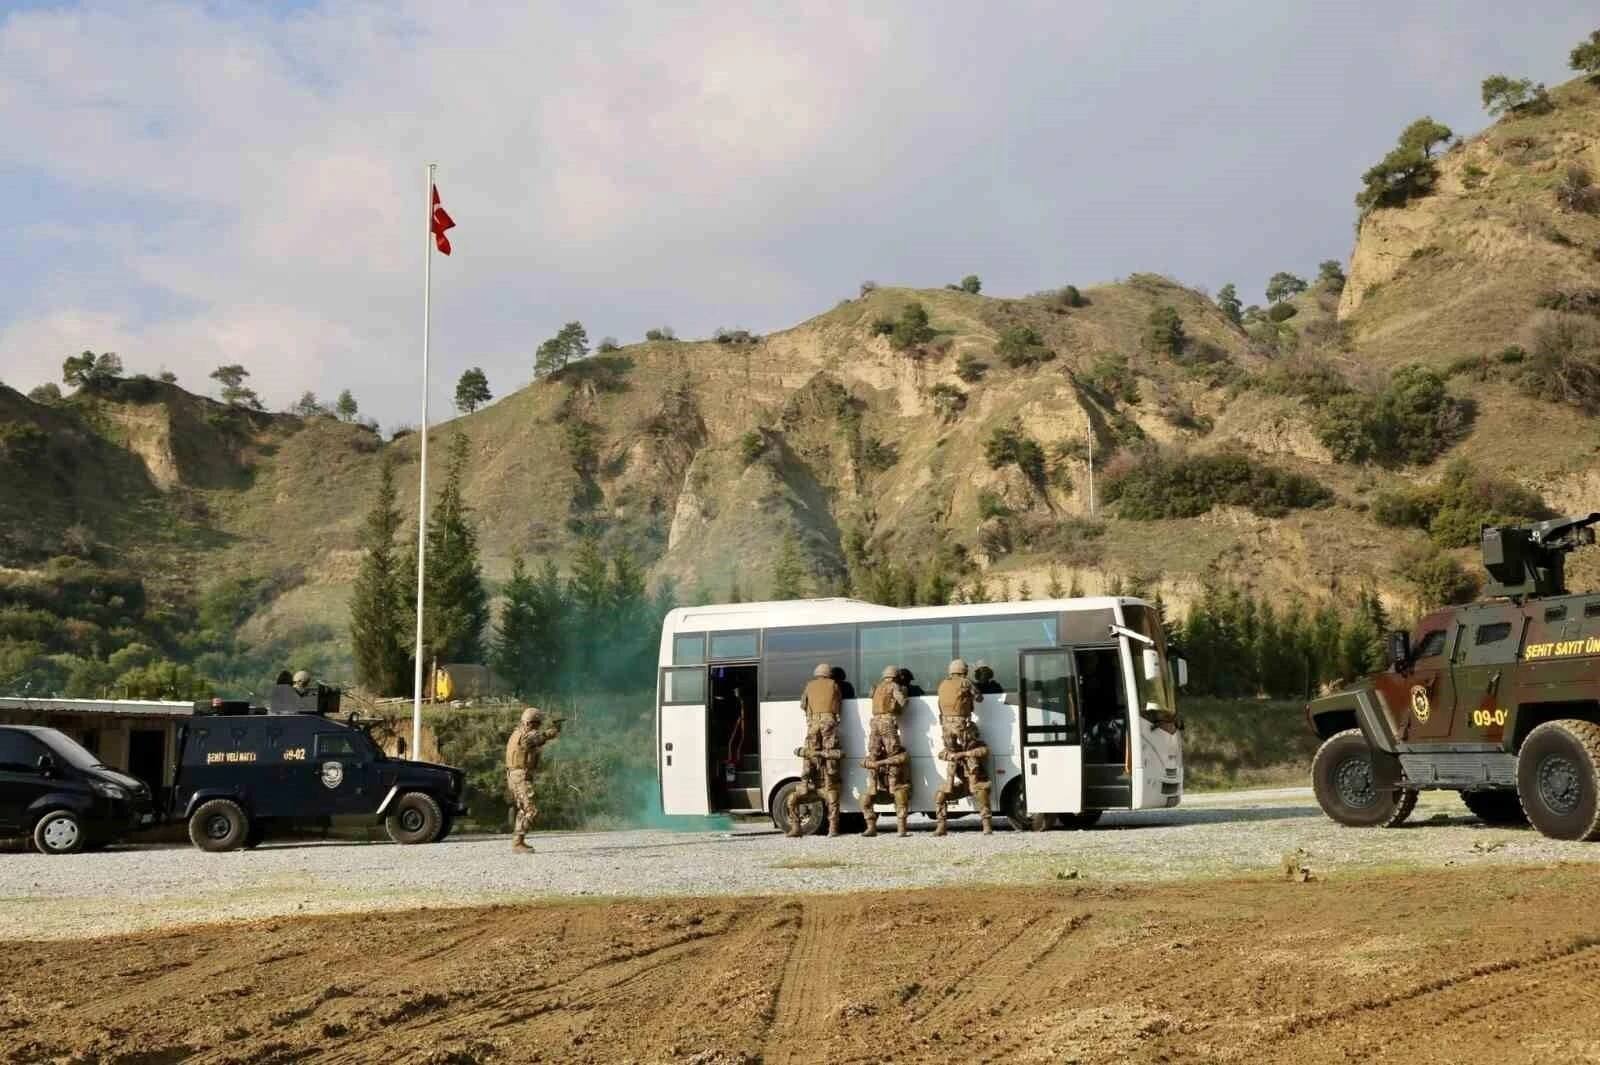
<point x="1498" y="699"/>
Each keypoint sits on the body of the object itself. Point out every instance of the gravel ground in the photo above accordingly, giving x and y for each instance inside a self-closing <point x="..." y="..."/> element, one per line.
<point x="1221" y="835"/>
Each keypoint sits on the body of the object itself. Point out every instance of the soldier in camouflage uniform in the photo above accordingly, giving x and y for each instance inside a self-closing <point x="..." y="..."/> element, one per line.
<point x="983" y="679"/>
<point x="963" y="746"/>
<point x="523" y="752"/>
<point x="886" y="762"/>
<point x="821" y="701"/>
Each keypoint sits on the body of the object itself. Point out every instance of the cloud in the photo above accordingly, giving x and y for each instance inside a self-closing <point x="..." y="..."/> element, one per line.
<point x="232" y="183"/>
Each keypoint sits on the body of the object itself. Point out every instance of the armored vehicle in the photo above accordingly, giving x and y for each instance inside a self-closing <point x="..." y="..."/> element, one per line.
<point x="245" y="772"/>
<point x="1498" y="699"/>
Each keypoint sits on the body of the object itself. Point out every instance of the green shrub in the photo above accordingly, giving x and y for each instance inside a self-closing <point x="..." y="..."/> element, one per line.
<point x="1438" y="579"/>
<point x="752" y="445"/>
<point x="1009" y="444"/>
<point x="1186" y="487"/>
<point x="971" y="284"/>
<point x="1021" y="346"/>
<point x="882" y="327"/>
<point x="1574" y="301"/>
<point x="1412" y="420"/>
<point x="1284" y="285"/>
<point x="1453" y="511"/>
<point x="1472" y="175"/>
<point x="990" y="505"/>
<point x="948" y="400"/>
<point x="1563" y="365"/>
<point x="1309" y="378"/>
<point x="970" y="368"/>
<point x="1164" y="332"/>
<point x="1282" y="312"/>
<point x="1112" y="376"/>
<point x="1576" y="192"/>
<point x="912" y="328"/>
<point x="1408" y="171"/>
<point x="1071" y="297"/>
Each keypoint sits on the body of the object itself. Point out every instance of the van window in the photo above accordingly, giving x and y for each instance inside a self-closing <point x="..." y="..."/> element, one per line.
<point x="791" y="654"/>
<point x="1431" y="644"/>
<point x="19" y="752"/>
<point x="1494" y="633"/>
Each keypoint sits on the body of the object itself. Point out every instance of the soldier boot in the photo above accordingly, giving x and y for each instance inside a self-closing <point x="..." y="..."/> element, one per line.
<point x="941" y="813"/>
<point x="902" y="803"/>
<point x="872" y="820"/>
<point x="520" y="845"/>
<point x="980" y="795"/>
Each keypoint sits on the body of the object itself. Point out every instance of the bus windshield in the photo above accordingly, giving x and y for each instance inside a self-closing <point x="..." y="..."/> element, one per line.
<point x="1157" y="692"/>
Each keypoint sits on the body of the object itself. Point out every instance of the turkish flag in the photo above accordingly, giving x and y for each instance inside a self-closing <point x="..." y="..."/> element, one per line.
<point x="441" y="222"/>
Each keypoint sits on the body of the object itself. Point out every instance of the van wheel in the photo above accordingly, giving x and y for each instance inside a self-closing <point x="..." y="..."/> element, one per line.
<point x="219" y="825"/>
<point x="59" y="832"/>
<point x="1558" y="779"/>
<point x="1014" y="804"/>
<point x="1356" y="787"/>
<point x="1495" y="807"/>
<point x="813" y="812"/>
<point x="416" y="819"/>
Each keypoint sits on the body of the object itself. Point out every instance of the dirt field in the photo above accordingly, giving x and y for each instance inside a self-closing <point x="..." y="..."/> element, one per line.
<point x="1483" y="965"/>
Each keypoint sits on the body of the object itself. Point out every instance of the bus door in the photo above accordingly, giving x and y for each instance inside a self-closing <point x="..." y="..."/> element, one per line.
<point x="1051" y="731"/>
<point x="681" y="755"/>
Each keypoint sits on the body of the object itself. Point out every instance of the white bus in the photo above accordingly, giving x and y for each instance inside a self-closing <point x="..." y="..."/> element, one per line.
<point x="1081" y="716"/>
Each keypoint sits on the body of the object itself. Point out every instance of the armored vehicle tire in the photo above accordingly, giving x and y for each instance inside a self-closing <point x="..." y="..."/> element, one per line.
<point x="1500" y="807"/>
<point x="416" y="818"/>
<point x="1558" y="779"/>
<point x="59" y="832"/>
<point x="1014" y="804"/>
<point x="813" y="812"/>
<point x="1079" y="821"/>
<point x="1350" y="787"/>
<point x="219" y="825"/>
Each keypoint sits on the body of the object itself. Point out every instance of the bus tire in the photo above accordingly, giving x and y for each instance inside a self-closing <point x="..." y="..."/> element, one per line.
<point x="417" y="818"/>
<point x="813" y="812"/>
<point x="1014" y="804"/>
<point x="1354" y="787"/>
<point x="1558" y="779"/>
<point x="219" y="825"/>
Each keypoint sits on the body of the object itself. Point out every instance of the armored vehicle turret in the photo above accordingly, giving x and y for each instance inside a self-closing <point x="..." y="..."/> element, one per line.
<point x="1498" y="699"/>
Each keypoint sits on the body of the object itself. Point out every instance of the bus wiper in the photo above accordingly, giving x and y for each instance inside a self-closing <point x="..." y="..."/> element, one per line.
<point x="1118" y="630"/>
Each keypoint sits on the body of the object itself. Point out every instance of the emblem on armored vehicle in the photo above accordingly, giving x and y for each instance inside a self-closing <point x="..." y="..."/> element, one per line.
<point x="332" y="774"/>
<point x="1420" y="707"/>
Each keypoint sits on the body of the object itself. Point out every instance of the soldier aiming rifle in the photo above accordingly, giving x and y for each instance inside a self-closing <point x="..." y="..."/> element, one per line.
<point x="524" y="751"/>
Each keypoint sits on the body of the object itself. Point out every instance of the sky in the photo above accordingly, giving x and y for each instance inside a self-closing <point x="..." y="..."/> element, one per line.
<point x="194" y="184"/>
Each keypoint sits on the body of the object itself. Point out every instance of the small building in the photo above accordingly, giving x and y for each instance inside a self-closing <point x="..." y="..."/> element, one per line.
<point x="136" y="736"/>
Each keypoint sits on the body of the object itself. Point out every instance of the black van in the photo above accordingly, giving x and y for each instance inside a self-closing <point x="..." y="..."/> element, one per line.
<point x="246" y="772"/>
<point x="65" y="798"/>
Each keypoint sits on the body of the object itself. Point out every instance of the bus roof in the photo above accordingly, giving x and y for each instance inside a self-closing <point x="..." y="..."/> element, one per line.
<point x="722" y="617"/>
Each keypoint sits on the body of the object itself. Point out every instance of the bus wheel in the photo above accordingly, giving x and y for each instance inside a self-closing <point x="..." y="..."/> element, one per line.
<point x="813" y="812"/>
<point x="1014" y="804"/>
<point x="1558" y="778"/>
<point x="1352" y="786"/>
<point x="1075" y="822"/>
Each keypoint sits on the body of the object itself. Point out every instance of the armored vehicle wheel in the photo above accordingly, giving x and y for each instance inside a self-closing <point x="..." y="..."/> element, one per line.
<point x="59" y="832"/>
<point x="813" y="812"/>
<point x="219" y="825"/>
<point x="1014" y="804"/>
<point x="1079" y="821"/>
<point x="1495" y="807"/>
<point x="1353" y="787"/>
<point x="416" y="819"/>
<point x="1558" y="779"/>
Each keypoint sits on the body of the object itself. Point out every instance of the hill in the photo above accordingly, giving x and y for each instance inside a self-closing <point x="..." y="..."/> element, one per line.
<point x="1294" y="452"/>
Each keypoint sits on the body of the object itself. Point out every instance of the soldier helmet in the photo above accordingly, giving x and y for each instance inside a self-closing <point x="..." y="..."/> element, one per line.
<point x="532" y="715"/>
<point x="823" y="671"/>
<point x="301" y="678"/>
<point x="981" y="666"/>
<point x="958" y="667"/>
<point x="891" y="672"/>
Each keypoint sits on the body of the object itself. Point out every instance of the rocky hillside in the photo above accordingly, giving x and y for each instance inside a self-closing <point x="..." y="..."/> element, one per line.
<point x="1224" y="451"/>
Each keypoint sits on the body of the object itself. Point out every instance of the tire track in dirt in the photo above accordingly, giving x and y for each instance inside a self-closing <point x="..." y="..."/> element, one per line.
<point x="809" y="984"/>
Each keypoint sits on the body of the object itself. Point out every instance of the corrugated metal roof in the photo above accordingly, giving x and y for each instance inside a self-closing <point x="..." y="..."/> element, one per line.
<point x="126" y="707"/>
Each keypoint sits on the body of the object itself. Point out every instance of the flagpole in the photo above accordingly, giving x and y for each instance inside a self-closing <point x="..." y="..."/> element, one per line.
<point x="422" y="478"/>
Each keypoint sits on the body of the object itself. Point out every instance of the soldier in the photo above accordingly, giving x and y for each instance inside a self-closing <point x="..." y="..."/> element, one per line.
<point x="523" y="751"/>
<point x="968" y="775"/>
<point x="957" y="695"/>
<point x="302" y="682"/>
<point x="886" y="762"/>
<point x="983" y="678"/>
<point x="821" y="701"/>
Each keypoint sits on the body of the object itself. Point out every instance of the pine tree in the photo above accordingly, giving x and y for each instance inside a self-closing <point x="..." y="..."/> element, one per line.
<point x="977" y="591"/>
<point x="627" y="625"/>
<point x="1024" y="590"/>
<point x="1075" y="587"/>
<point x="788" y="569"/>
<point x="378" y="601"/>
<point x="934" y="589"/>
<point x="514" y="636"/>
<point x="456" y="606"/>
<point x="1228" y="301"/>
<point x="1053" y="589"/>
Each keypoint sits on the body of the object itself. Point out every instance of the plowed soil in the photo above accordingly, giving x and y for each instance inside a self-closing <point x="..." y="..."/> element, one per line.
<point x="1495" y="965"/>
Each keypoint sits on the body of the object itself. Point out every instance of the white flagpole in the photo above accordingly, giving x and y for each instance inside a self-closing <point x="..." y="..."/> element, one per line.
<point x="422" y="480"/>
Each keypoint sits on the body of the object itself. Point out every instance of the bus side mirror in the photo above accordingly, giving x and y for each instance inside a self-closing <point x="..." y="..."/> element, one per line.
<point x="1400" y="650"/>
<point x="1152" y="664"/>
<point x="1180" y="672"/>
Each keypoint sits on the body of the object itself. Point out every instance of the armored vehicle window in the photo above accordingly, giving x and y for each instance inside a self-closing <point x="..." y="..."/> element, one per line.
<point x="733" y="645"/>
<point x="19" y="752"/>
<point x="791" y="655"/>
<point x="689" y="649"/>
<point x="1555" y="613"/>
<point x="1431" y="644"/>
<point x="335" y="744"/>
<point x="1500" y="630"/>
<point x="1592" y="610"/>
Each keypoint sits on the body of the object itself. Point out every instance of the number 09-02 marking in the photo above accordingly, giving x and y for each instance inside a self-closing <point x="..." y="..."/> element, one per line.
<point x="294" y="754"/>
<point x="1489" y="718"/>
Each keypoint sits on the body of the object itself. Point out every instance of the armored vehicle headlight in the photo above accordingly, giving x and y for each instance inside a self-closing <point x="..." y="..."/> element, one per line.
<point x="110" y="791"/>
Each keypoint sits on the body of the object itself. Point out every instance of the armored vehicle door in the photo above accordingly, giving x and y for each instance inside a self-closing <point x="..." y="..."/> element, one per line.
<point x="1484" y="662"/>
<point x="1052" y="732"/>
<point x="681" y="741"/>
<point x="341" y="774"/>
<point x="1422" y="698"/>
